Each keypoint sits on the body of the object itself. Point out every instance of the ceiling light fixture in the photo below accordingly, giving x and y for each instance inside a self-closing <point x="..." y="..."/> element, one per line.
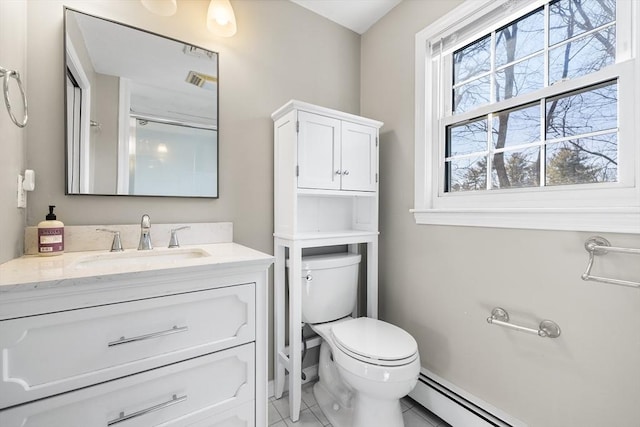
<point x="220" y="18"/>
<point x="161" y="7"/>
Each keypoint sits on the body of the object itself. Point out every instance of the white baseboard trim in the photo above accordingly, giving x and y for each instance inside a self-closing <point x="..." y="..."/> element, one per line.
<point x="456" y="406"/>
<point x="310" y="372"/>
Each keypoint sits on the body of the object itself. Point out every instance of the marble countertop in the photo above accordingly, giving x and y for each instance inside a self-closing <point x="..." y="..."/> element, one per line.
<point x="31" y="269"/>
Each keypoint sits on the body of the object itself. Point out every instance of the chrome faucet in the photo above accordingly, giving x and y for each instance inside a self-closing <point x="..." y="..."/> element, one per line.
<point x="145" y="234"/>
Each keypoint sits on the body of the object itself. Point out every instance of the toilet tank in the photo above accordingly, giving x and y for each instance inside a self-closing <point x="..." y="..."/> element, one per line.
<point x="329" y="286"/>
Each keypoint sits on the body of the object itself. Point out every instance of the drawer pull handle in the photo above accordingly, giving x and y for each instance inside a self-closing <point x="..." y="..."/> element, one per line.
<point x="122" y="417"/>
<point x="174" y="330"/>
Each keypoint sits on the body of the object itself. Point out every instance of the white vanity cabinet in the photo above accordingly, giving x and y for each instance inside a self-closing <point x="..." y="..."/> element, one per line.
<point x="171" y="346"/>
<point x="325" y="194"/>
<point x="336" y="154"/>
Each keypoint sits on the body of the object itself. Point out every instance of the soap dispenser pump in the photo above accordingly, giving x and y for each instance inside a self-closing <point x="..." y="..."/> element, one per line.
<point x="50" y="235"/>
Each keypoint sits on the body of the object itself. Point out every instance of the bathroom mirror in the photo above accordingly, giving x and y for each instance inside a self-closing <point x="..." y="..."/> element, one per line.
<point x="141" y="112"/>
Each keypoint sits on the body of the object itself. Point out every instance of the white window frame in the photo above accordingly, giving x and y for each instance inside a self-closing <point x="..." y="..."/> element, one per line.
<point x="604" y="207"/>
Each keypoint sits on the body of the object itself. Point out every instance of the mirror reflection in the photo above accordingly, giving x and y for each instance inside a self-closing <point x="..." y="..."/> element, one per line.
<point x="141" y="112"/>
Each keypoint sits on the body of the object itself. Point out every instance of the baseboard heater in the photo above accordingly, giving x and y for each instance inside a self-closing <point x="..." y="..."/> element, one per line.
<point x="457" y="407"/>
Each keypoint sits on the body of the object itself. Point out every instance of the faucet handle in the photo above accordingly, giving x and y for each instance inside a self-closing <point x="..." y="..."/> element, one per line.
<point x="173" y="241"/>
<point x="116" y="245"/>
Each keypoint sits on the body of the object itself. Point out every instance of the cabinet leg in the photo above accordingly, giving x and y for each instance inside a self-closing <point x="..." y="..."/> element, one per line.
<point x="262" y="341"/>
<point x="279" y="319"/>
<point x="295" y="332"/>
<point x="372" y="279"/>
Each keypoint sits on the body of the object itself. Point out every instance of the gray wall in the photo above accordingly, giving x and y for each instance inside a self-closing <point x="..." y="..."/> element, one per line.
<point x="440" y="283"/>
<point x="13" y="32"/>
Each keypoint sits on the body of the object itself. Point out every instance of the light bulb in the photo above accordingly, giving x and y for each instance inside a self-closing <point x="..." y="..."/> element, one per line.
<point x="220" y="18"/>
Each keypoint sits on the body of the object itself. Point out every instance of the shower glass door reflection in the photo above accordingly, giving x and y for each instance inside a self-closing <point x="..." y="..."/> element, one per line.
<point x="170" y="158"/>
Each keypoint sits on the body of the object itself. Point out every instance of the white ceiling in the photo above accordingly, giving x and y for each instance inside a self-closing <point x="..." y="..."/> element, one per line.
<point x="357" y="15"/>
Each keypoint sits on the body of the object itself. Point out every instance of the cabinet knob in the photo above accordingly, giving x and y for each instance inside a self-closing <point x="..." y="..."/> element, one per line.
<point x="338" y="172"/>
<point x="345" y="172"/>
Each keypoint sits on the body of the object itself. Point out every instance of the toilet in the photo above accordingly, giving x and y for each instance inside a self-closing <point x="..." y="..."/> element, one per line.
<point x="366" y="365"/>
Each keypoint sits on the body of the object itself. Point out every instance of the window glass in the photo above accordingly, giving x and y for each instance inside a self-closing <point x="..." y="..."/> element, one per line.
<point x="584" y="32"/>
<point x="570" y="18"/>
<point x="583" y="56"/>
<point x="467" y="138"/>
<point x="520" y="78"/>
<point x="583" y="160"/>
<point x="520" y="38"/>
<point x="593" y="110"/>
<point x="472" y="60"/>
<point x="517" y="168"/>
<point x="467" y="173"/>
<point x="516" y="127"/>
<point x="472" y="95"/>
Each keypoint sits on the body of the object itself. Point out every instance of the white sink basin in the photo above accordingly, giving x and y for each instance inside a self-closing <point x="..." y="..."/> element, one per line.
<point x="139" y="258"/>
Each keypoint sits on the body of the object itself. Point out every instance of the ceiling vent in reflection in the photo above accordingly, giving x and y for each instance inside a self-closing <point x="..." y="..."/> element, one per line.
<point x="198" y="52"/>
<point x="202" y="80"/>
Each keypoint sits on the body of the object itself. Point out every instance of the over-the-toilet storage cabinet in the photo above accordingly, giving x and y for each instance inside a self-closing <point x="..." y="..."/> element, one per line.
<point x="325" y="194"/>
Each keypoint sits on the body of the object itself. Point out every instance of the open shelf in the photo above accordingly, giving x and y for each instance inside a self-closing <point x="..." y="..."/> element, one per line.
<point x="340" y="237"/>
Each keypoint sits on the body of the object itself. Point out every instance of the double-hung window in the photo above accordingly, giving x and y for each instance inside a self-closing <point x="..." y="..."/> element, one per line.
<point x="527" y="116"/>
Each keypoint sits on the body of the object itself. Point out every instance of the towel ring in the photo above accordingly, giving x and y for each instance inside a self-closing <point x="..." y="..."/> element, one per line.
<point x="8" y="74"/>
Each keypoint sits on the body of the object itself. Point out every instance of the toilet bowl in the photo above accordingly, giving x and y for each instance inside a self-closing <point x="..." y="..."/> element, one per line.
<point x="366" y="365"/>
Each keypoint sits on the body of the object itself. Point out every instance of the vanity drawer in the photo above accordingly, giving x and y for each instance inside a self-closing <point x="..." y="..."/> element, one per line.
<point x="209" y="390"/>
<point x="54" y="353"/>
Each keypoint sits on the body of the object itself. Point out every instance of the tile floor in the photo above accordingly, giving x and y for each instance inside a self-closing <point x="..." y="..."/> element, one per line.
<point x="310" y="415"/>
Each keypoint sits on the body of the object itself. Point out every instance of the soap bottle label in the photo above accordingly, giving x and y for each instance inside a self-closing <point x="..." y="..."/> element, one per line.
<point x="50" y="240"/>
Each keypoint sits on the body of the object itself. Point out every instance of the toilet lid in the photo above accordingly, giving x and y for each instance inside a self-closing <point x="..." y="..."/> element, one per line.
<point x="375" y="341"/>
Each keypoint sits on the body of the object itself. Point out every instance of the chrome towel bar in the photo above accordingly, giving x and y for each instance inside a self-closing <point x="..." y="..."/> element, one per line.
<point x="597" y="245"/>
<point x="546" y="329"/>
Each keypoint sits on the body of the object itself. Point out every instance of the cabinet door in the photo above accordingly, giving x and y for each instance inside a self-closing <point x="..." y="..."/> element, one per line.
<point x="359" y="157"/>
<point x="318" y="152"/>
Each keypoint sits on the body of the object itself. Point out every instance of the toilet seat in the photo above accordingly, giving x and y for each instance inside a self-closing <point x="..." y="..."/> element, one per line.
<point x="374" y="342"/>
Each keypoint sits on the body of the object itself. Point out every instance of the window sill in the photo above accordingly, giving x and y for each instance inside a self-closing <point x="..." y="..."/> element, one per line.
<point x="611" y="220"/>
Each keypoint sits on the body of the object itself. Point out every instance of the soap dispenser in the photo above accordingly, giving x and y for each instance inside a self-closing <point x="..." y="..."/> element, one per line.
<point x="50" y="235"/>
